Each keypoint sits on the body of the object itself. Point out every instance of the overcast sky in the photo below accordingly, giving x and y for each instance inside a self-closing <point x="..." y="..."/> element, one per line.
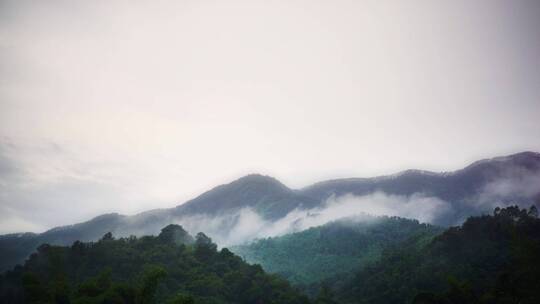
<point x="130" y="105"/>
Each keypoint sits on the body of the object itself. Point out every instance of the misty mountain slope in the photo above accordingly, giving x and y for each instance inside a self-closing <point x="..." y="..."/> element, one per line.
<point x="265" y="195"/>
<point x="447" y="185"/>
<point x="231" y="209"/>
<point x="86" y="231"/>
<point x="269" y="197"/>
<point x="477" y="188"/>
<point x="336" y="248"/>
<point x="16" y="247"/>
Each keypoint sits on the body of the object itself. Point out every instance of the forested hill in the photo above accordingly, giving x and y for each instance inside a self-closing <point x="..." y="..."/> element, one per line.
<point x="337" y="248"/>
<point x="473" y="190"/>
<point x="170" y="268"/>
<point x="491" y="259"/>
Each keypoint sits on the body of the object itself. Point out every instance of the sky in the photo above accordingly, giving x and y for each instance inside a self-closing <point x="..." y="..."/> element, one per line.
<point x="125" y="106"/>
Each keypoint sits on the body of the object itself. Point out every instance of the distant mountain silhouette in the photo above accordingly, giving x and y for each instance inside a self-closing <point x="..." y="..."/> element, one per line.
<point x="265" y="194"/>
<point x="470" y="191"/>
<point x="518" y="176"/>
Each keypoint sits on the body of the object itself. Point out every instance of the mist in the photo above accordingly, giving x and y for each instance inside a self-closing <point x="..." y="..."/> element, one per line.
<point x="518" y="184"/>
<point x="246" y="224"/>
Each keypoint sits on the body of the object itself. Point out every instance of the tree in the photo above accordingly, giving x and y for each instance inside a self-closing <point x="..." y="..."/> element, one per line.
<point x="325" y="296"/>
<point x="175" y="234"/>
<point x="204" y="248"/>
<point x="181" y="299"/>
<point x="34" y="290"/>
<point x="533" y="212"/>
<point x="135" y="274"/>
<point x="150" y="280"/>
<point x="107" y="237"/>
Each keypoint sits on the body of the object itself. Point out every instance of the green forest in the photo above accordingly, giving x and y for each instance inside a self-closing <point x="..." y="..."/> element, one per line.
<point x="336" y="249"/>
<point x="170" y="268"/>
<point x="489" y="259"/>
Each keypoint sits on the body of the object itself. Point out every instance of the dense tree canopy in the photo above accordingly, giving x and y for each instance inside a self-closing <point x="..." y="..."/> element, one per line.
<point x="172" y="267"/>
<point x="489" y="259"/>
<point x="332" y="251"/>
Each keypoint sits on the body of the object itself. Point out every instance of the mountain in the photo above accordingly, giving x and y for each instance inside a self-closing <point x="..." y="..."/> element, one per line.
<point x="173" y="267"/>
<point x="265" y="194"/>
<point x="473" y="190"/>
<point x="336" y="248"/>
<point x="446" y="185"/>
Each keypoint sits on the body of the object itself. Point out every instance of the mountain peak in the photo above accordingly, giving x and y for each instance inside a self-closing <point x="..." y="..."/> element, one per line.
<point x="253" y="190"/>
<point x="255" y="183"/>
<point x="259" y="179"/>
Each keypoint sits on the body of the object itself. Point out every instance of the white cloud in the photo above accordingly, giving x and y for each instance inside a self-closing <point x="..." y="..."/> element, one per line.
<point x="246" y="224"/>
<point x="517" y="183"/>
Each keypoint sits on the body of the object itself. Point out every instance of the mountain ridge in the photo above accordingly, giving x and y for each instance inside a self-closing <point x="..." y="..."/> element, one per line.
<point x="462" y="189"/>
<point x="252" y="176"/>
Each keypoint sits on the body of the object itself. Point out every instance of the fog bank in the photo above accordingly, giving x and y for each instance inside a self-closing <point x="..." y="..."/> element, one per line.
<point x="246" y="224"/>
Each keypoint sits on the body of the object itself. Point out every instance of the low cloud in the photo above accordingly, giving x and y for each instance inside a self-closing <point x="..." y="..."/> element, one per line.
<point x="515" y="186"/>
<point x="245" y="224"/>
<point x="518" y="187"/>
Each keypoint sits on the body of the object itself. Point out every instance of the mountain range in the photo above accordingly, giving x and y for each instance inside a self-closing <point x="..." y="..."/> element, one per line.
<point x="219" y="212"/>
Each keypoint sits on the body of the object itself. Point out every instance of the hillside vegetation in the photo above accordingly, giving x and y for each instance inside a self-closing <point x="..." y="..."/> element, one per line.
<point x="172" y="267"/>
<point x="337" y="248"/>
<point x="489" y="259"/>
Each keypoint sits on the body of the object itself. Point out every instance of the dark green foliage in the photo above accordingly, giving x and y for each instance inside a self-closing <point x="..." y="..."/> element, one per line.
<point x="175" y="234"/>
<point x="325" y="296"/>
<point x="169" y="268"/>
<point x="149" y="283"/>
<point x="204" y="248"/>
<point x="332" y="250"/>
<point x="15" y="248"/>
<point x="181" y="299"/>
<point x="489" y="259"/>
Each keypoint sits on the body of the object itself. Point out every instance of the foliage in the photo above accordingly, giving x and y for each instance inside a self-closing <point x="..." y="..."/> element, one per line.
<point x="333" y="250"/>
<point x="489" y="259"/>
<point x="142" y="270"/>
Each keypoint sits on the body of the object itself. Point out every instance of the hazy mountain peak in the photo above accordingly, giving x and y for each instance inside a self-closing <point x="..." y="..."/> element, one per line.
<point x="103" y="218"/>
<point x="257" y="191"/>
<point x="413" y="172"/>
<point x="259" y="179"/>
